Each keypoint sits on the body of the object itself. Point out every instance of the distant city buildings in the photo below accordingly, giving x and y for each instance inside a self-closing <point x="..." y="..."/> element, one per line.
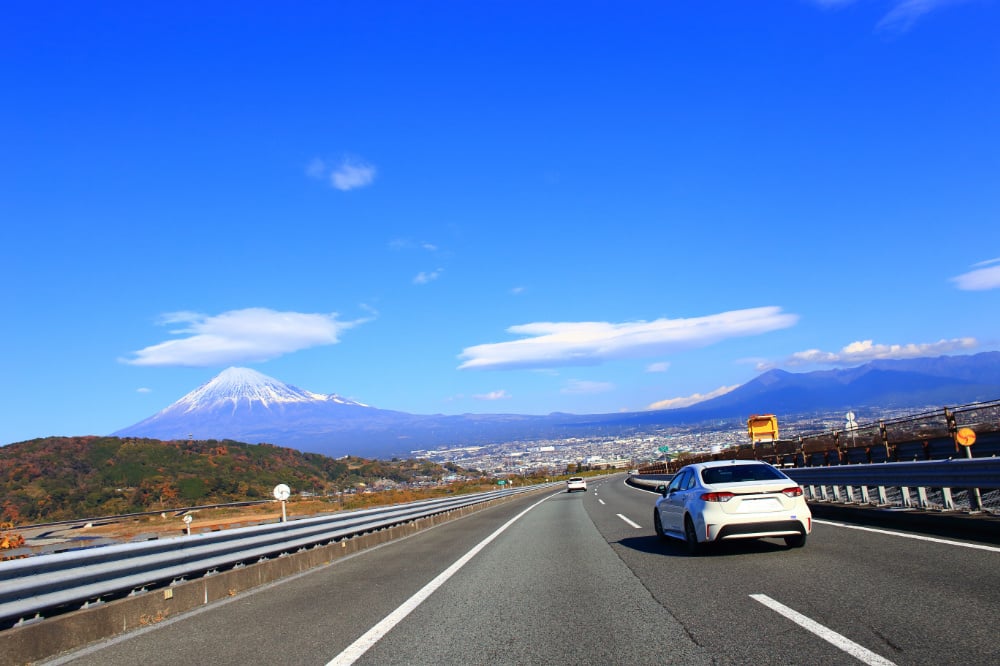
<point x="624" y="451"/>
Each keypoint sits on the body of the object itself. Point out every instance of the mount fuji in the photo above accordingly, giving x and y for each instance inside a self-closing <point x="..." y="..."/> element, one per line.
<point x="245" y="405"/>
<point x="248" y="406"/>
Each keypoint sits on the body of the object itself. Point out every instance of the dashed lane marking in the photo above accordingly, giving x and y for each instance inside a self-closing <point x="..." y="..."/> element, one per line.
<point x="829" y="635"/>
<point x="629" y="521"/>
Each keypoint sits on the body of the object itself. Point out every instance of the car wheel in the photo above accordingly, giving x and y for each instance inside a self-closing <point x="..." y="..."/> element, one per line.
<point x="796" y="541"/>
<point x="691" y="537"/>
<point x="658" y="526"/>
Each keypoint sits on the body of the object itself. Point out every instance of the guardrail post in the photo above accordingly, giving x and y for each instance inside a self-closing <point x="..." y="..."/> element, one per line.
<point x="922" y="497"/>
<point x="850" y="494"/>
<point x="836" y="493"/>
<point x="865" y="497"/>
<point x="906" y="501"/>
<point x="883" y="499"/>
<point x="949" y="503"/>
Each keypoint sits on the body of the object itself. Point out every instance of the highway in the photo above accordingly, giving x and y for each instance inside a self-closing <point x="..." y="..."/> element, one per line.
<point x="581" y="578"/>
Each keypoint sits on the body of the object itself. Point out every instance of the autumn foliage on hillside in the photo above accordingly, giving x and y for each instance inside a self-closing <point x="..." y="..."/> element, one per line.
<point x="58" y="478"/>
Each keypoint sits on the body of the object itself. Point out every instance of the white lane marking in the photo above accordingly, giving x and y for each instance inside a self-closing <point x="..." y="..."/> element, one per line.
<point x="830" y="636"/>
<point x="601" y="501"/>
<point x="354" y="651"/>
<point x="629" y="521"/>
<point x="919" y="537"/>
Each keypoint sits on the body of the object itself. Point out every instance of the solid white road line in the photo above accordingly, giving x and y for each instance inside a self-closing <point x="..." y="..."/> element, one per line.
<point x="919" y="537"/>
<point x="628" y="521"/>
<point x="830" y="636"/>
<point x="373" y="635"/>
<point x="601" y="501"/>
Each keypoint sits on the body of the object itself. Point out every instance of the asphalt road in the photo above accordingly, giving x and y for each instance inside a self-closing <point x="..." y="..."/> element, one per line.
<point x="581" y="578"/>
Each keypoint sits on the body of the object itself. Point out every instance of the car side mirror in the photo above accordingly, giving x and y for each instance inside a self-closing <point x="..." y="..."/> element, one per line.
<point x="662" y="489"/>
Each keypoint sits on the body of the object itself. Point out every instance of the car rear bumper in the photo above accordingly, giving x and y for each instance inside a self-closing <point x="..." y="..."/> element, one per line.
<point x="753" y="530"/>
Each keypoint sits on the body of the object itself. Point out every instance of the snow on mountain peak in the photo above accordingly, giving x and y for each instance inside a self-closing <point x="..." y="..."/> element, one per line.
<point x="236" y="385"/>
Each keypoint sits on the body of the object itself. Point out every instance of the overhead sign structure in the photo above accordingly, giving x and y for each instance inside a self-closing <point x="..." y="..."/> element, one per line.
<point x="965" y="437"/>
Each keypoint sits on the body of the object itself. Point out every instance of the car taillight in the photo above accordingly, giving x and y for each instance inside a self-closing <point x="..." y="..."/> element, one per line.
<point x="717" y="497"/>
<point x="793" y="492"/>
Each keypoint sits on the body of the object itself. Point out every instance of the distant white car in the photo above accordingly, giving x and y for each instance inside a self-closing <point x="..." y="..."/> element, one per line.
<point x="731" y="499"/>
<point x="576" y="483"/>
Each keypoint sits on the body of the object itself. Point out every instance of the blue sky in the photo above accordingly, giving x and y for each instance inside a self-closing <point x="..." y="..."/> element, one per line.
<point x="524" y="207"/>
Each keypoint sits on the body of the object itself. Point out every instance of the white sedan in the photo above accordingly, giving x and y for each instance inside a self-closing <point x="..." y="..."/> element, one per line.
<point x="576" y="483"/>
<point x="731" y="499"/>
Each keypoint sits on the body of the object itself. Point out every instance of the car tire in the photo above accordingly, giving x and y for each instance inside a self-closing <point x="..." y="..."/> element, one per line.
<point x="796" y="541"/>
<point x="658" y="526"/>
<point x="691" y="537"/>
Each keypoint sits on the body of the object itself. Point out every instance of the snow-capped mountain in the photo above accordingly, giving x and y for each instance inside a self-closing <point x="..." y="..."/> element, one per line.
<point x="247" y="406"/>
<point x="236" y="387"/>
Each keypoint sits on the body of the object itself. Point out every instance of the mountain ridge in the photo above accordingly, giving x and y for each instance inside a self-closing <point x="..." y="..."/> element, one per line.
<point x="246" y="405"/>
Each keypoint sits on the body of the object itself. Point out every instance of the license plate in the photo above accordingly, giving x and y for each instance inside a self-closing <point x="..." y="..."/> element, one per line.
<point x="762" y="505"/>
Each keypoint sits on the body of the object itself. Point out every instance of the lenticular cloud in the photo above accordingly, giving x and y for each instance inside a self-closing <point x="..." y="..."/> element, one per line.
<point x="239" y="336"/>
<point x="552" y="344"/>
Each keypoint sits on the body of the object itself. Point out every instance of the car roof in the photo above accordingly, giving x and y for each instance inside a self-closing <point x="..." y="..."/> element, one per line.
<point x="725" y="463"/>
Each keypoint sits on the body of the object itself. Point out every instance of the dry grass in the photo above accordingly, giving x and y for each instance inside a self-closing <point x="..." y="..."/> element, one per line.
<point x="207" y="520"/>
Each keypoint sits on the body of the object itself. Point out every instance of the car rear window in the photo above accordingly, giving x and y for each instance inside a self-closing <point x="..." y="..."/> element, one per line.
<point x="738" y="473"/>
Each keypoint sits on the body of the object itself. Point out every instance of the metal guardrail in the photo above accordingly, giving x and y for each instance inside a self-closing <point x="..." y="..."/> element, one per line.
<point x="936" y="435"/>
<point x="934" y="481"/>
<point x="955" y="473"/>
<point x="45" y="585"/>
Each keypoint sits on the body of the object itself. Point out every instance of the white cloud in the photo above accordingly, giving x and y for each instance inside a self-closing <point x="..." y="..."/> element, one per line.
<point x="144" y="390"/>
<point x="662" y="366"/>
<point x="240" y="336"/>
<point x="493" y="395"/>
<point x="902" y="15"/>
<point x="863" y="351"/>
<point x="585" y="387"/>
<point x="695" y="398"/>
<point x="352" y="174"/>
<point x="981" y="279"/>
<point x="552" y="344"/>
<point x="424" y="278"/>
<point x="406" y="244"/>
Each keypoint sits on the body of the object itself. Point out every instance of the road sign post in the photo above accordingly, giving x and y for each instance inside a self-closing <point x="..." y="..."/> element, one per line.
<point x="852" y="427"/>
<point x="282" y="493"/>
<point x="966" y="437"/>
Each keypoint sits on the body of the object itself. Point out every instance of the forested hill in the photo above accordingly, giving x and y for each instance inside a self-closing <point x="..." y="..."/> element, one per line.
<point x="59" y="478"/>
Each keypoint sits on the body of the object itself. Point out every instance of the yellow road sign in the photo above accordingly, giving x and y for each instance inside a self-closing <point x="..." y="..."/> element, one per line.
<point x="965" y="437"/>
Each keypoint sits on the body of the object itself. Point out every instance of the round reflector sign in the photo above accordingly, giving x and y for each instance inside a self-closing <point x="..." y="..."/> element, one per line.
<point x="965" y="437"/>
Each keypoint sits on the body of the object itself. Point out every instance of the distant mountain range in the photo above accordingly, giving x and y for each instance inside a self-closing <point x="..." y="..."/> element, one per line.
<point x="245" y="405"/>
